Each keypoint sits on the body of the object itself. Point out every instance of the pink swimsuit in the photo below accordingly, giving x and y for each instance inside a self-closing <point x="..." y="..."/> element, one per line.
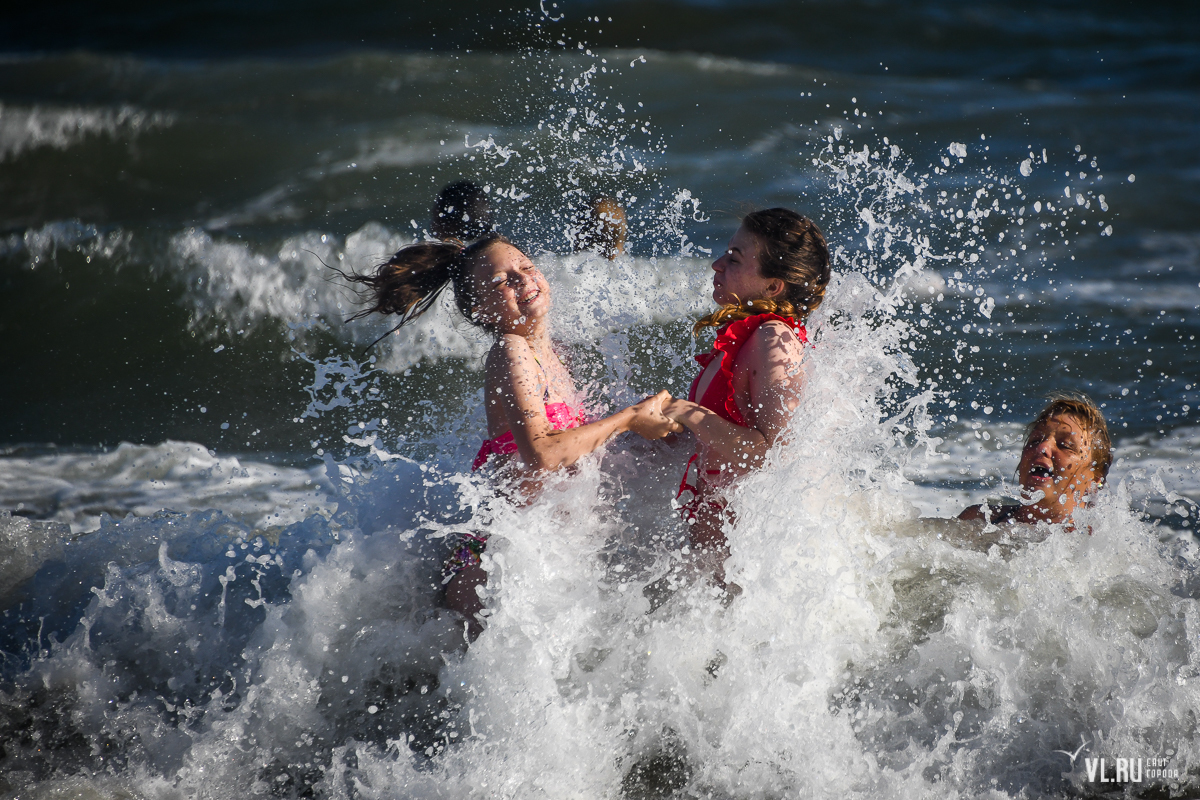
<point x="470" y="546"/>
<point x="561" y="417"/>
<point x="719" y="396"/>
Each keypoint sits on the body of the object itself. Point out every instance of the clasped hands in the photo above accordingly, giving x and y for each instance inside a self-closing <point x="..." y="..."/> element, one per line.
<point x="651" y="418"/>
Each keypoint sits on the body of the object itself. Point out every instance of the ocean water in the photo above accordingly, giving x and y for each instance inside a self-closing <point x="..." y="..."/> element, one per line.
<point x="223" y="517"/>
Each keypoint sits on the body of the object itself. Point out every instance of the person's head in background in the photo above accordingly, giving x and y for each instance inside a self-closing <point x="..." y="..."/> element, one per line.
<point x="461" y="212"/>
<point x="1064" y="461"/>
<point x="601" y="227"/>
<point x="1066" y="456"/>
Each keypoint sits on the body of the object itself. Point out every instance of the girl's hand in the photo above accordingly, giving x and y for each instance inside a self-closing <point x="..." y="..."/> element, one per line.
<point x="648" y="421"/>
<point x="674" y="407"/>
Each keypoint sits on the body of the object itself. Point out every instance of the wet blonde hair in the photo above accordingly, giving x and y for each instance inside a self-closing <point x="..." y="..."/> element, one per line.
<point x="1090" y="418"/>
<point x="792" y="248"/>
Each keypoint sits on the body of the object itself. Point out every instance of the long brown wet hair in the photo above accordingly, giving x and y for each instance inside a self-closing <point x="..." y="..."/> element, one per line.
<point x="410" y="282"/>
<point x="791" y="248"/>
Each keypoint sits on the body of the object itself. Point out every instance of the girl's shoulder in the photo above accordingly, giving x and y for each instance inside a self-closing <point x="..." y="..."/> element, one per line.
<point x="509" y="346"/>
<point x="772" y="338"/>
<point x="511" y="355"/>
<point x="780" y="329"/>
<point x="760" y="327"/>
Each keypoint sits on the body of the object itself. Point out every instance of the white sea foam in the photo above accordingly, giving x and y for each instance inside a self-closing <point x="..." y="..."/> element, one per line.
<point x="24" y="129"/>
<point x="24" y="546"/>
<point x="866" y="656"/>
<point x="870" y="653"/>
<point x="231" y="284"/>
<point x="77" y="488"/>
<point x="864" y="644"/>
<point x="42" y="245"/>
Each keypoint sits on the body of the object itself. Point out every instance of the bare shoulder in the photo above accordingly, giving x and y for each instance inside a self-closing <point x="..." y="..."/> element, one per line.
<point x="776" y="333"/>
<point x="773" y="340"/>
<point x="508" y="351"/>
<point x="777" y="328"/>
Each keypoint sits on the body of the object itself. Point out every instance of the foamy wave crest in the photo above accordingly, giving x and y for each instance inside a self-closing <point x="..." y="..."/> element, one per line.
<point x="25" y="129"/>
<point x="232" y="286"/>
<point x="25" y="545"/>
<point x="1162" y="472"/>
<point x="43" y="244"/>
<point x="80" y="488"/>
<point x="231" y="282"/>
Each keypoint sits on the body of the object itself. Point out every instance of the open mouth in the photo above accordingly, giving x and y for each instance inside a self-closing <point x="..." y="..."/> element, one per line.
<point x="529" y="298"/>
<point x="1041" y="472"/>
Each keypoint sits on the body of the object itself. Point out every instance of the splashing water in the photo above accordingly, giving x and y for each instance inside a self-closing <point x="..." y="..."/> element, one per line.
<point x="211" y="654"/>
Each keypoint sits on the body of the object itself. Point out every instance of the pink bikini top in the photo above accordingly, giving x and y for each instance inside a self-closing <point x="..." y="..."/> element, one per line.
<point x="561" y="417"/>
<point x="718" y="397"/>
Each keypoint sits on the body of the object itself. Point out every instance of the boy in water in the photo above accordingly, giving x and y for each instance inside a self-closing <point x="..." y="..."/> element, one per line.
<point x="1066" y="458"/>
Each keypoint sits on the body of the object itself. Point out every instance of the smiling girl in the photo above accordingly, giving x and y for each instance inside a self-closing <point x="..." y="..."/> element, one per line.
<point x="771" y="276"/>
<point x="1065" y="460"/>
<point x="528" y="393"/>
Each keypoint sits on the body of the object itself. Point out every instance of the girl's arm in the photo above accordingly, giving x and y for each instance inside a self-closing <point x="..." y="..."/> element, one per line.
<point x="767" y="366"/>
<point x="512" y="383"/>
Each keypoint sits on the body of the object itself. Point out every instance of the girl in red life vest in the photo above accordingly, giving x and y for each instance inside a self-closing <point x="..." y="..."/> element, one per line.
<point x="772" y="275"/>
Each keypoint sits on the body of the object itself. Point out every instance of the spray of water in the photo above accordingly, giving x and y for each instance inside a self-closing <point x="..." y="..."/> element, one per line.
<point x="871" y="653"/>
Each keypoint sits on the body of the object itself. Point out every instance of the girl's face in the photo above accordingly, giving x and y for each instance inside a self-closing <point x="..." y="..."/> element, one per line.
<point x="1057" y="459"/>
<point x="511" y="293"/>
<point x="738" y="274"/>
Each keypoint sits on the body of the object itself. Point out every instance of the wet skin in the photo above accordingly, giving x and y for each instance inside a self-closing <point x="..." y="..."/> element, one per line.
<point x="1057" y="461"/>
<point x="737" y="273"/>
<point x="512" y="295"/>
<point x="523" y="374"/>
<point x="766" y="386"/>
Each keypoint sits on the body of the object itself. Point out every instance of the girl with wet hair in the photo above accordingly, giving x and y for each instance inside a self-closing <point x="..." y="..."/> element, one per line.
<point x="770" y="278"/>
<point x="1065" y="460"/>
<point x="528" y="393"/>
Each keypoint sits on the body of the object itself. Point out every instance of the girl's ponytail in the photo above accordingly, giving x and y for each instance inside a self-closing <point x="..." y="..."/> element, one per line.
<point x="410" y="282"/>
